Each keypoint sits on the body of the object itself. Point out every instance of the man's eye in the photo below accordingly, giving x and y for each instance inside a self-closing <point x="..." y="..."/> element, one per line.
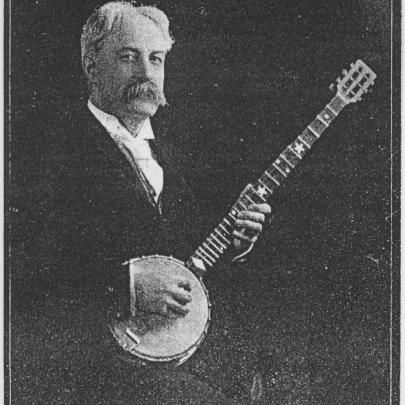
<point x="128" y="57"/>
<point x="156" y="60"/>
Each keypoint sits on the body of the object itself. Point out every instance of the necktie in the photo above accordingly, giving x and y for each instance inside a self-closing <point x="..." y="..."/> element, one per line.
<point x="142" y="156"/>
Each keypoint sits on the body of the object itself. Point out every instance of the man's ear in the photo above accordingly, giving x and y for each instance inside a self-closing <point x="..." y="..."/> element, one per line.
<point x="89" y="66"/>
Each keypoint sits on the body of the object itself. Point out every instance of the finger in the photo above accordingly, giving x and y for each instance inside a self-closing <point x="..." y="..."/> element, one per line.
<point x="238" y="243"/>
<point x="245" y="190"/>
<point x="239" y="235"/>
<point x="253" y="216"/>
<point x="251" y="227"/>
<point x="175" y="307"/>
<point x="181" y="296"/>
<point x="262" y="208"/>
<point x="183" y="283"/>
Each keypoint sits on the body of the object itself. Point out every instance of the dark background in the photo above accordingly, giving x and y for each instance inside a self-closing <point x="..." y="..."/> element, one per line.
<point x="243" y="80"/>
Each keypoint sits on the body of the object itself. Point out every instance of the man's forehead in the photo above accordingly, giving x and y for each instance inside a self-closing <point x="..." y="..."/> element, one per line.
<point x="137" y="30"/>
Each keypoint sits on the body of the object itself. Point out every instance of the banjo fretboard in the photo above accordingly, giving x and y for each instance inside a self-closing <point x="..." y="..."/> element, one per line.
<point x="350" y="89"/>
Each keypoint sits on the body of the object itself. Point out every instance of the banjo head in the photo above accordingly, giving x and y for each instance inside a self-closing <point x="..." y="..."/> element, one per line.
<point x="159" y="338"/>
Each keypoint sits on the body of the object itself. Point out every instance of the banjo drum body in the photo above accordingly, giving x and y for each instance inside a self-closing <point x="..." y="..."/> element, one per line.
<point x="158" y="338"/>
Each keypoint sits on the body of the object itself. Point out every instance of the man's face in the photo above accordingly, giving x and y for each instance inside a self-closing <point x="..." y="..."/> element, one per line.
<point x="129" y="69"/>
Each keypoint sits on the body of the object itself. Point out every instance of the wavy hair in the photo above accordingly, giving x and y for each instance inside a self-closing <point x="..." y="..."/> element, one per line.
<point x="106" y="18"/>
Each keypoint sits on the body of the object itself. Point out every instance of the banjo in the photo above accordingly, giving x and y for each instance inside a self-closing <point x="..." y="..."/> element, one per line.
<point x="160" y="339"/>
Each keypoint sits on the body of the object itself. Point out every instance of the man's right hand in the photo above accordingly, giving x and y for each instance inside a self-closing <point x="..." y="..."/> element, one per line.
<point x="168" y="296"/>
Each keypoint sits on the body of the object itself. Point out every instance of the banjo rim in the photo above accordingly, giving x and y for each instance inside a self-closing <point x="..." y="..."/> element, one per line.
<point x="185" y="354"/>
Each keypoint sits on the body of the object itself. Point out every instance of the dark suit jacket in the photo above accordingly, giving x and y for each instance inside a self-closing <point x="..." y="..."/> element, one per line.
<point x="102" y="214"/>
<point x="97" y="214"/>
<point x="104" y="209"/>
<point x="92" y="213"/>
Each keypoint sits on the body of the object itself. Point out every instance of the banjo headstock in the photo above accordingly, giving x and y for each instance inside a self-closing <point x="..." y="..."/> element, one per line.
<point x="355" y="82"/>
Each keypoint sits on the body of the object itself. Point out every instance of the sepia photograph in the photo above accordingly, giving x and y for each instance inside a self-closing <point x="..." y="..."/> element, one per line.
<point x="202" y="202"/>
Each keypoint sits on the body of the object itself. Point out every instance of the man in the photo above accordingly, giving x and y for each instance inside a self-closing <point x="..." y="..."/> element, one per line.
<point x="120" y="194"/>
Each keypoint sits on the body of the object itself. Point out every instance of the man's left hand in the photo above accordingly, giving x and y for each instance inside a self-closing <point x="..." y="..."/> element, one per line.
<point x="249" y="223"/>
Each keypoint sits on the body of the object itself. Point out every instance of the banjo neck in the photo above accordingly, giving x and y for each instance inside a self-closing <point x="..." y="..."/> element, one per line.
<point x="215" y="245"/>
<point x="161" y="339"/>
<point x="349" y="90"/>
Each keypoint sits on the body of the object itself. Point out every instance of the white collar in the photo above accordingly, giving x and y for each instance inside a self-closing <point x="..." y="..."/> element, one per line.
<point x="113" y="125"/>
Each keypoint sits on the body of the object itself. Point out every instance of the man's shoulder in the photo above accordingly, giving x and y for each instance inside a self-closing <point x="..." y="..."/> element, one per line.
<point x="71" y="116"/>
<point x="71" y="129"/>
<point x="67" y="133"/>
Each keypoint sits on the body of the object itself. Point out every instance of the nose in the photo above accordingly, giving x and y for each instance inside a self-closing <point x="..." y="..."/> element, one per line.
<point x="144" y="68"/>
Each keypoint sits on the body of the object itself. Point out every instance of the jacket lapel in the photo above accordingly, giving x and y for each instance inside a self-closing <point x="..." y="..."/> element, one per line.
<point x="101" y="145"/>
<point x="163" y="154"/>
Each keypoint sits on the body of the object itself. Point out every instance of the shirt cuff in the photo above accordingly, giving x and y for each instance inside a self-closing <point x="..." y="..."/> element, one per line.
<point x="132" y="292"/>
<point x="133" y="273"/>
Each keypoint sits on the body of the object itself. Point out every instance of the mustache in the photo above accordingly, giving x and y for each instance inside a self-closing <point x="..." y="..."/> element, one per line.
<point x="145" y="90"/>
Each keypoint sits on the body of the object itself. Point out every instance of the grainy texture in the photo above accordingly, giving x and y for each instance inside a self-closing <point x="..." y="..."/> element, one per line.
<point x="242" y="81"/>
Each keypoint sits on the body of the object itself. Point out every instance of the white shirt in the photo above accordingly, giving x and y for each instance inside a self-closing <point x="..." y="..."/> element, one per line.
<point x="136" y="149"/>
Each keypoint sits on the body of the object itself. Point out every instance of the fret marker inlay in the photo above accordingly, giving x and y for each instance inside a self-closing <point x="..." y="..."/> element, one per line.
<point x="320" y="118"/>
<point x="261" y="191"/>
<point x="299" y="148"/>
